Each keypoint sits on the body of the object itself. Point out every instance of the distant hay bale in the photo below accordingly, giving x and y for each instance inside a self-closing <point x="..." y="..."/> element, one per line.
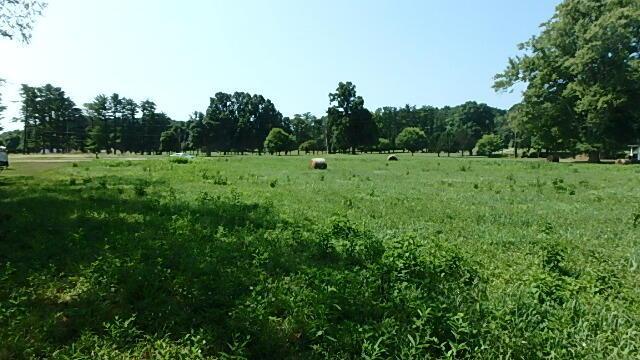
<point x="318" y="164"/>
<point x="553" y="158"/>
<point x="392" y="158"/>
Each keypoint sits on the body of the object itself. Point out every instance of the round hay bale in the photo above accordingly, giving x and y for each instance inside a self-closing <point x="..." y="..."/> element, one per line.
<point x="553" y="158"/>
<point x="318" y="164"/>
<point x="392" y="158"/>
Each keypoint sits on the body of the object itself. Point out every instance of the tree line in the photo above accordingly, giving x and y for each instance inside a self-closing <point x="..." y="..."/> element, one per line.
<point x="242" y="122"/>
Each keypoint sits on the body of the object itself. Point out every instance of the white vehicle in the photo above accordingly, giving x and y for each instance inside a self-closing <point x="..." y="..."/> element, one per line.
<point x="4" y="157"/>
<point x="182" y="155"/>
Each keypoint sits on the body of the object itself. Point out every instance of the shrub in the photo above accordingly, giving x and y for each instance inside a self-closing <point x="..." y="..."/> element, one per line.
<point x="140" y="189"/>
<point x="489" y="144"/>
<point x="277" y="141"/>
<point x="179" y="160"/>
<point x="412" y="139"/>
<point x="308" y="146"/>
<point x="125" y="163"/>
<point x="219" y="180"/>
<point x="355" y="245"/>
<point x="216" y="179"/>
<point x="383" y="145"/>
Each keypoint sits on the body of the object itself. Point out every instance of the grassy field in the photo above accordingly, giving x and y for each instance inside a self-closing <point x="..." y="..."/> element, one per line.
<point x="260" y="257"/>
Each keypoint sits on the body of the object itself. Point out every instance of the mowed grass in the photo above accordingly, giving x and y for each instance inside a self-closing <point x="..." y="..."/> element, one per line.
<point x="260" y="257"/>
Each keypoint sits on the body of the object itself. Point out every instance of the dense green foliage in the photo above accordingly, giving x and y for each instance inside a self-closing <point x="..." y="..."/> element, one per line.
<point x="52" y="120"/>
<point x="412" y="139"/>
<point x="11" y="139"/>
<point x="258" y="257"/>
<point x="448" y="129"/>
<point x="240" y="122"/>
<point x="349" y="124"/>
<point x="488" y="144"/>
<point x="309" y="146"/>
<point x="278" y="141"/>
<point x="582" y="74"/>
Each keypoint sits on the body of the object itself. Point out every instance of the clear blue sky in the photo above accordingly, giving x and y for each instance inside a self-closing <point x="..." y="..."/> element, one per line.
<point x="178" y="54"/>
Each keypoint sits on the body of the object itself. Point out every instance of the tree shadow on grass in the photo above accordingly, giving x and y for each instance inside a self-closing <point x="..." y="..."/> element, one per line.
<point x="80" y="259"/>
<point x="78" y="256"/>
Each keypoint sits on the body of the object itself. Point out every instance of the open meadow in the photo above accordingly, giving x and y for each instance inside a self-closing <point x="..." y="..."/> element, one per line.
<point x="260" y="257"/>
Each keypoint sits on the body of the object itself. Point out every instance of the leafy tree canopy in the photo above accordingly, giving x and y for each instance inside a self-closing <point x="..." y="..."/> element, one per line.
<point x="582" y="74"/>
<point x="489" y="144"/>
<point x="412" y="139"/>
<point x="278" y="140"/>
<point x="350" y="124"/>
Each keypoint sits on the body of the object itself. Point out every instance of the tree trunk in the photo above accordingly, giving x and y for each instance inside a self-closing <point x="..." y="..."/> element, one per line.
<point x="594" y="156"/>
<point x="24" y="138"/>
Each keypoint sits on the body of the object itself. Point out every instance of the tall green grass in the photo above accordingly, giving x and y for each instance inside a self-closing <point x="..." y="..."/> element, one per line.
<point x="259" y="257"/>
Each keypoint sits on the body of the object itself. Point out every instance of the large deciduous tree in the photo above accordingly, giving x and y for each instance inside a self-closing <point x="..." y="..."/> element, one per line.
<point x="489" y="144"/>
<point x="412" y="139"/>
<point x="350" y="124"/>
<point x="278" y="140"/>
<point x="582" y="74"/>
<point x="238" y="121"/>
<point x="469" y="122"/>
